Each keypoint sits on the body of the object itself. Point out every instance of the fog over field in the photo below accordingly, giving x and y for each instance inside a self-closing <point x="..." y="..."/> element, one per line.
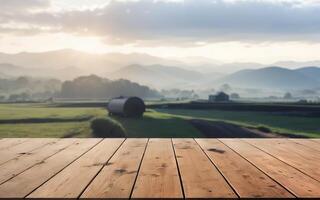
<point x="200" y="77"/>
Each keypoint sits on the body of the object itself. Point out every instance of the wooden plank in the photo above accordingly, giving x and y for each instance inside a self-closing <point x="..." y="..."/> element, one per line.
<point x="200" y="177"/>
<point x="293" y="147"/>
<point x="71" y="181"/>
<point x="25" y="148"/>
<point x="296" y="182"/>
<point x="117" y="178"/>
<point x="304" y="159"/>
<point x="308" y="143"/>
<point x="158" y="176"/>
<point x="246" y="179"/>
<point x="18" y="165"/>
<point x="7" y="143"/>
<point x="26" y="182"/>
<point x="316" y="140"/>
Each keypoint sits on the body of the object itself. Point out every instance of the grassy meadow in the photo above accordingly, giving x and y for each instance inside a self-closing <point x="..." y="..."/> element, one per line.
<point x="153" y="124"/>
<point x="46" y="120"/>
<point x="306" y="126"/>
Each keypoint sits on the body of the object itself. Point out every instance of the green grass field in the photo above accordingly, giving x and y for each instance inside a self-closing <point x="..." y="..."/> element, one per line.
<point x="155" y="123"/>
<point x="25" y="111"/>
<point x="306" y="126"/>
<point x="75" y="129"/>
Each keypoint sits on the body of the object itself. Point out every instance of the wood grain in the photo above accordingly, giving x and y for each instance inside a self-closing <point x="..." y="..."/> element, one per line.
<point x="308" y="143"/>
<point x="299" y="184"/>
<point x="246" y="179"/>
<point x="117" y="178"/>
<point x="23" y="184"/>
<point x="316" y="140"/>
<point x="13" y="167"/>
<point x="159" y="168"/>
<point x="200" y="177"/>
<point x="71" y="181"/>
<point x="300" y="157"/>
<point x="158" y="176"/>
<point x="19" y="150"/>
<point x="7" y="143"/>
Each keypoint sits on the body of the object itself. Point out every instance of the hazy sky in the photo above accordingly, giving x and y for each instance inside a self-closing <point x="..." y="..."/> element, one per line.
<point x="228" y="30"/>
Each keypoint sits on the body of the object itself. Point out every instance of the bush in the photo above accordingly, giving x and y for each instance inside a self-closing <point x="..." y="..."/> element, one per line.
<point x="105" y="127"/>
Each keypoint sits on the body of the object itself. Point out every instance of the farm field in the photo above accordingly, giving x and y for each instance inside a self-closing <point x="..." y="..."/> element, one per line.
<point x="45" y="111"/>
<point x="46" y="120"/>
<point x="306" y="126"/>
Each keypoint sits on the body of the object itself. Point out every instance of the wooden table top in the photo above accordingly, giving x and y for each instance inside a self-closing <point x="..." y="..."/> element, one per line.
<point x="159" y="168"/>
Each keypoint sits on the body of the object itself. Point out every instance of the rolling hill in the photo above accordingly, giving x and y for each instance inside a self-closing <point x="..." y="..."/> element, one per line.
<point x="10" y="70"/>
<point x="312" y="72"/>
<point x="89" y="63"/>
<point x="158" y="76"/>
<point x="273" y="78"/>
<point x="159" y="73"/>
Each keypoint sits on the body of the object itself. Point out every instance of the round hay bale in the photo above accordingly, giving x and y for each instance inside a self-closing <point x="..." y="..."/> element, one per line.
<point x="127" y="107"/>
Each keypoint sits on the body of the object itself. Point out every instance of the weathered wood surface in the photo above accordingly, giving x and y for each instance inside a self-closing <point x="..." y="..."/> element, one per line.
<point x="159" y="168"/>
<point x="300" y="157"/>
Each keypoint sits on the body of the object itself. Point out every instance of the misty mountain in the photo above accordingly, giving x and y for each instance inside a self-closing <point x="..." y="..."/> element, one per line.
<point x="85" y="62"/>
<point x="10" y="70"/>
<point x="272" y="78"/>
<point x="158" y="76"/>
<point x="297" y="64"/>
<point x="312" y="72"/>
<point x="237" y="66"/>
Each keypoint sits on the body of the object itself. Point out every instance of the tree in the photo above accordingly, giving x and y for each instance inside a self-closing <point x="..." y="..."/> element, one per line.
<point x="2" y="98"/>
<point x="225" y="88"/>
<point x="19" y="97"/>
<point x="287" y="95"/>
<point x="13" y="97"/>
<point x="96" y="87"/>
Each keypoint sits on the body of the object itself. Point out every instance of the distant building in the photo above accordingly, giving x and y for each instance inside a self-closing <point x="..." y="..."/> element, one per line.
<point x="219" y="97"/>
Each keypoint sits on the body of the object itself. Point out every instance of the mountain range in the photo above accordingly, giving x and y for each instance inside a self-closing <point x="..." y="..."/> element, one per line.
<point x="275" y="77"/>
<point x="158" y="76"/>
<point x="84" y="62"/>
<point x="160" y="73"/>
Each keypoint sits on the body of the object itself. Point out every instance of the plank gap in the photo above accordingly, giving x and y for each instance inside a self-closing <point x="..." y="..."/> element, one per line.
<point x="258" y="168"/>
<point x="179" y="173"/>
<point x="100" y="169"/>
<point x="138" y="171"/>
<point x="217" y="169"/>
<point x="63" y="168"/>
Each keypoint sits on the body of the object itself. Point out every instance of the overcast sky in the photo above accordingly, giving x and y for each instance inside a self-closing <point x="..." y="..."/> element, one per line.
<point x="228" y="30"/>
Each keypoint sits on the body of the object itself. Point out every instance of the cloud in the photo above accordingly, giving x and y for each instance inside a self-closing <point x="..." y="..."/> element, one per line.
<point x="188" y="22"/>
<point x="19" y="5"/>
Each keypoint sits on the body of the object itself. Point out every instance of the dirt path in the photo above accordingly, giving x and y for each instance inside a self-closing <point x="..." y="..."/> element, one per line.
<point x="221" y="129"/>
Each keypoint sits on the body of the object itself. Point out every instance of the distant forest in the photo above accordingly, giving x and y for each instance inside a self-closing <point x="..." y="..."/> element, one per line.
<point x="29" y="89"/>
<point x="95" y="87"/>
<point x="26" y="88"/>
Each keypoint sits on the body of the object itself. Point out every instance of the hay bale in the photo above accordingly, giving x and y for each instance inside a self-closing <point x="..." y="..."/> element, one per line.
<point x="127" y="107"/>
